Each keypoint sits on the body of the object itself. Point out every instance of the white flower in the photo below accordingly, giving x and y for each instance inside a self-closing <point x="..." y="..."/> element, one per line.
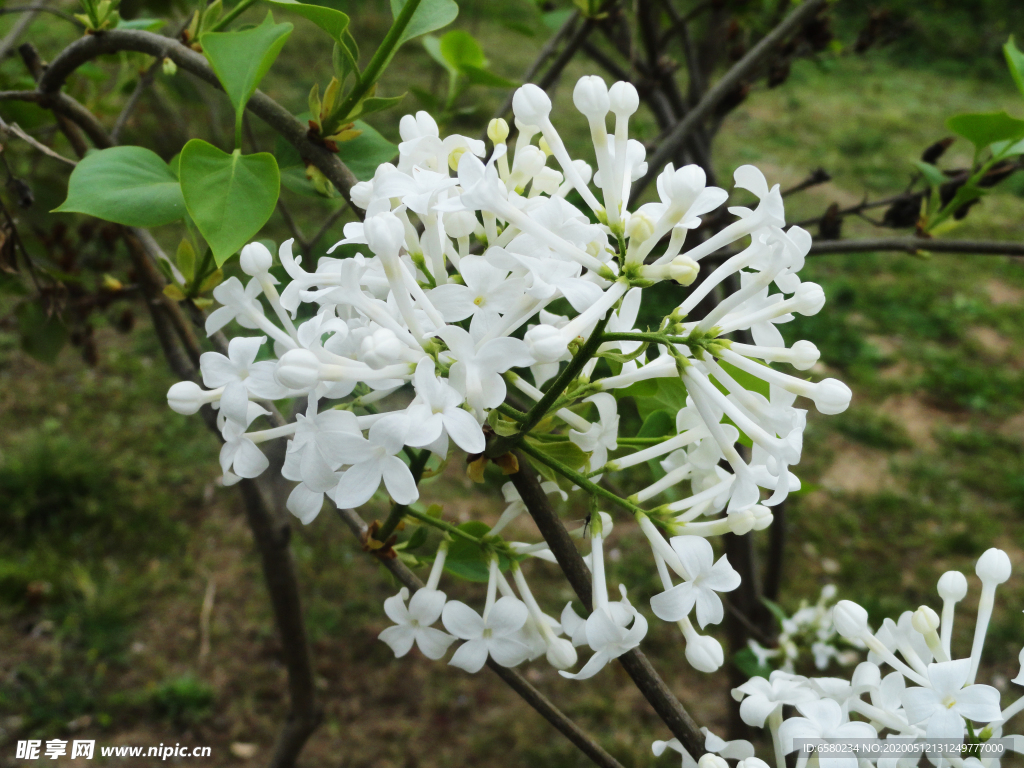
<point x="824" y="720"/>
<point x="610" y="631"/>
<point x="946" y="704"/>
<point x="413" y="624"/>
<point x="476" y="372"/>
<point x="762" y="697"/>
<point x="488" y="292"/>
<point x="603" y="434"/>
<point x="492" y="636"/>
<point x="374" y="460"/>
<point x="706" y="579"/>
<point x="239" y="453"/>
<point x="435" y="415"/>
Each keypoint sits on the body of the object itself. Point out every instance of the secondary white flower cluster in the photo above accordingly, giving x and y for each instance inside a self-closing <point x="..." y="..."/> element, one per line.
<point x="929" y="693"/>
<point x="810" y="628"/>
<point x="466" y="276"/>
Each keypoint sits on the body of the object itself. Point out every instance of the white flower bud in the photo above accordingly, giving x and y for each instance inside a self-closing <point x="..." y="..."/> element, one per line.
<point x="497" y="130"/>
<point x="925" y="620"/>
<point x="704" y="653"/>
<point x="591" y="97"/>
<point x="1019" y="679"/>
<point x="828" y="592"/>
<point x="708" y="760"/>
<point x="255" y="259"/>
<point x="583" y="169"/>
<point x="804" y="355"/>
<point x="866" y="675"/>
<point x="741" y="522"/>
<point x="546" y="343"/>
<point x="810" y="297"/>
<point x="683" y="270"/>
<point x="380" y="348"/>
<point x="185" y="397"/>
<point x="683" y="185"/>
<point x="298" y="369"/>
<point x="528" y="163"/>
<point x="762" y="517"/>
<point x="384" y="233"/>
<point x="561" y="654"/>
<point x="460" y="223"/>
<point x="531" y="105"/>
<point x="993" y="567"/>
<point x="952" y="586"/>
<point x="361" y="194"/>
<point x="831" y="396"/>
<point x="547" y="181"/>
<point x="623" y="99"/>
<point x="639" y="228"/>
<point x="752" y="762"/>
<point x="850" y="619"/>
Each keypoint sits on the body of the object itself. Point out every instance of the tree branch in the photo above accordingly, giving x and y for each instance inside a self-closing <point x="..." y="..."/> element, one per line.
<point x="647" y="680"/>
<point x="513" y="679"/>
<point x="265" y="108"/>
<point x="743" y="69"/>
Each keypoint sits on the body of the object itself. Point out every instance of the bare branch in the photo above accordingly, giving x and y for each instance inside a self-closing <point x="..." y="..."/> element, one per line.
<point x="647" y="680"/>
<point x="17" y="131"/>
<point x="584" y="742"/>
<point x="145" y="80"/>
<point x="11" y="38"/>
<point x="743" y="69"/>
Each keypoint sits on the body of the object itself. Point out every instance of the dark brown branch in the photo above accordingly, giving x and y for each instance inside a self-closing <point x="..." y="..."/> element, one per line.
<point x="265" y="108"/>
<point x="145" y="80"/>
<point x="513" y="679"/>
<point x="742" y="70"/>
<point x="646" y="678"/>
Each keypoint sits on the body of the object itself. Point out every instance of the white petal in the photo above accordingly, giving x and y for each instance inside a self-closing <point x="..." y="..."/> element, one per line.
<point x="357" y="484"/>
<point x="470" y="656"/>
<point x="464" y="430"/>
<point x="433" y="642"/>
<point x="462" y="621"/>
<point x="400" y="638"/>
<point x="398" y="480"/>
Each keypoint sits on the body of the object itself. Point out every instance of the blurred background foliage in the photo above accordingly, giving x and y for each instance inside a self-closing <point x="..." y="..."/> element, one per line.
<point x="112" y="526"/>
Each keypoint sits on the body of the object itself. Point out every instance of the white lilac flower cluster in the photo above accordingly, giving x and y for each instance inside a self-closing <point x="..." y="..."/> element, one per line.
<point x="456" y="287"/>
<point x="809" y="629"/>
<point x="926" y="694"/>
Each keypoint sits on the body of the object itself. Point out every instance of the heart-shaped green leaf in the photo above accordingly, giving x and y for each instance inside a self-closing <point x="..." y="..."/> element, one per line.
<point x="364" y="153"/>
<point x="985" y="128"/>
<point x="126" y="185"/>
<point x="430" y="15"/>
<point x="331" y="21"/>
<point x="228" y="196"/>
<point x="460" y="49"/>
<point x="241" y="59"/>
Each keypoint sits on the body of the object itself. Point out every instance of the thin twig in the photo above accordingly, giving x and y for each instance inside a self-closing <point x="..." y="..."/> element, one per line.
<point x="743" y="69"/>
<point x="11" y="38"/>
<point x="328" y="223"/>
<point x="293" y="227"/>
<point x="17" y="131"/>
<point x="145" y="80"/>
<point x="204" y="620"/>
<point x="584" y="742"/>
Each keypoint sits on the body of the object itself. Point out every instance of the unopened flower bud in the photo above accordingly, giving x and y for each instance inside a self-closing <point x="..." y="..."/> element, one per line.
<point x="708" y="760"/>
<point x="361" y="194"/>
<point x="683" y="270"/>
<point x="810" y="297"/>
<point x="531" y="105"/>
<point x="543" y="146"/>
<point x="169" y="67"/>
<point x="583" y="168"/>
<point x="831" y="396"/>
<point x="704" y="653"/>
<point x="639" y="228"/>
<point x="561" y="654"/>
<point x="384" y="232"/>
<point x="454" y="156"/>
<point x="528" y="163"/>
<point x="185" y="397"/>
<point x="993" y="567"/>
<point x="591" y="97"/>
<point x="459" y="223"/>
<point x="683" y="185"/>
<point x="752" y="762"/>
<point x="298" y="369"/>
<point x="255" y="259"/>
<point x="623" y="99"/>
<point x="380" y="348"/>
<point x="762" y="517"/>
<point x="1019" y="679"/>
<point x="804" y="355"/>
<point x="925" y="620"/>
<point x="952" y="586"/>
<point x="547" y="181"/>
<point x="850" y="619"/>
<point x="497" y="130"/>
<point x="741" y="522"/>
<point x="546" y="343"/>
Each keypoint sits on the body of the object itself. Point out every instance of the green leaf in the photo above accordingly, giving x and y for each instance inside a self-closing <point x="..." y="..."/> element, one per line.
<point x="365" y="152"/>
<point x="747" y="380"/>
<point x="666" y="393"/>
<point x="1005" y="149"/>
<point x="932" y="175"/>
<point x="479" y="76"/>
<point x="228" y="196"/>
<point x="148" y="25"/>
<point x="430" y="15"/>
<point x="185" y="258"/>
<point x="42" y="337"/>
<point x="241" y="59"/>
<point x="126" y="185"/>
<point x="331" y="21"/>
<point x="776" y="610"/>
<point x="468" y="561"/>
<point x="985" y="128"/>
<point x="374" y="104"/>
<point x="460" y="49"/>
<point x="345" y="57"/>
<point x="658" y="424"/>
<point x="563" y="451"/>
<point x="1015" y="60"/>
<point x="747" y="663"/>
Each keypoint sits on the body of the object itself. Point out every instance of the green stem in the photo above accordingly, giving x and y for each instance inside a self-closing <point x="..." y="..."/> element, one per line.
<point x="203" y="273"/>
<point x="511" y="412"/>
<point x="446" y="527"/>
<point x="231" y="15"/>
<point x="503" y="445"/>
<point x="380" y="59"/>
<point x="592" y="488"/>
